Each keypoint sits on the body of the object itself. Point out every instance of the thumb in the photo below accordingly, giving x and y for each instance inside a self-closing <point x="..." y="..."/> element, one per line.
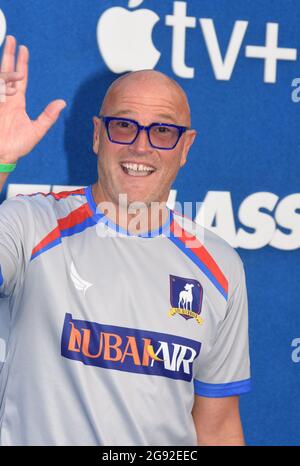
<point x="48" y="117"/>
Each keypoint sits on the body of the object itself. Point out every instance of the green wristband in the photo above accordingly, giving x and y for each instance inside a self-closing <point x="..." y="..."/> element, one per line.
<point x="7" y="167"/>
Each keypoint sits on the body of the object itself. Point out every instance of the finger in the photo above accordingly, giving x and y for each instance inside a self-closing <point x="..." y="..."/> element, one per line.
<point x="22" y="67"/>
<point x="7" y="84"/>
<point x="8" y="57"/>
<point x="6" y="91"/>
<point x="10" y="91"/>
<point x="48" y="117"/>
<point x="11" y="77"/>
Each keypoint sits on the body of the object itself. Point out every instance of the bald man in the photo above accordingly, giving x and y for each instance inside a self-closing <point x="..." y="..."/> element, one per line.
<point x="128" y="322"/>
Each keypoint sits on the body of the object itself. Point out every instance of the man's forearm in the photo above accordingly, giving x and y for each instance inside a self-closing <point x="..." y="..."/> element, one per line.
<point x="217" y="421"/>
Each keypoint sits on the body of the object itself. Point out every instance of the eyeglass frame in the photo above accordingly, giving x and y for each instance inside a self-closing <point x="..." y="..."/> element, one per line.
<point x="108" y="119"/>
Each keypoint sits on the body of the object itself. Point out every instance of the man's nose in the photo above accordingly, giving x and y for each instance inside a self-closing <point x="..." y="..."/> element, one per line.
<point x="142" y="144"/>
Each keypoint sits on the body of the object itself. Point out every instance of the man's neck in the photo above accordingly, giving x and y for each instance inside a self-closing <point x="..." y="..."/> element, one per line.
<point x="135" y="217"/>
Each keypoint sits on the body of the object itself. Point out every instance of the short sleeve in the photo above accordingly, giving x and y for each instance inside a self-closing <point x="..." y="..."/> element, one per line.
<point x="226" y="371"/>
<point x="16" y="233"/>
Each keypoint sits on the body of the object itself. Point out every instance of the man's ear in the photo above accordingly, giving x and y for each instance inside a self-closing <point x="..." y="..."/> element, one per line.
<point x="96" y="137"/>
<point x="189" y="140"/>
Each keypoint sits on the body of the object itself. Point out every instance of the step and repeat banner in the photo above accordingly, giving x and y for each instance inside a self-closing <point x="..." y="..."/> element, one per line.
<point x="239" y="63"/>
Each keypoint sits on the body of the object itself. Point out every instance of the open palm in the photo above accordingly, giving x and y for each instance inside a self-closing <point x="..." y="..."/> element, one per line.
<point x="18" y="133"/>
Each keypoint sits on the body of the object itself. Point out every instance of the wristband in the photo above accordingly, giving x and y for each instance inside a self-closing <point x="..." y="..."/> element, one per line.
<point x="7" y="167"/>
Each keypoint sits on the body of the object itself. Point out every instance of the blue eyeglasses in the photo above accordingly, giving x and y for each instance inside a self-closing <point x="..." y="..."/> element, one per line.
<point x="125" y="131"/>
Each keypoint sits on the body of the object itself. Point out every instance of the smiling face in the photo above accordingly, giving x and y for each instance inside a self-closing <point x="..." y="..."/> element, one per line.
<point x="145" y="174"/>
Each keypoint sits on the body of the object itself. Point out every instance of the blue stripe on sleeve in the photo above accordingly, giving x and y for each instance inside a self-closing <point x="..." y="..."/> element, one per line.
<point x="45" y="248"/>
<point x="220" y="390"/>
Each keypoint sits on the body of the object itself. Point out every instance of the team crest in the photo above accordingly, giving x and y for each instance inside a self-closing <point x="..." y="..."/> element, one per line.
<point x="186" y="297"/>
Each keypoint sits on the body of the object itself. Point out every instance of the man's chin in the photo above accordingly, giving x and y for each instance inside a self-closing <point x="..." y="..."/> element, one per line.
<point x="134" y="202"/>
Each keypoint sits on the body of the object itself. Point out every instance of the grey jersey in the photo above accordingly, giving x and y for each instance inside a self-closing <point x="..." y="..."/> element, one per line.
<point x="112" y="336"/>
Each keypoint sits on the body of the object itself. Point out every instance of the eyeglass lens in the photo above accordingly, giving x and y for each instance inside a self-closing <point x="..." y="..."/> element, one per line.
<point x="160" y="135"/>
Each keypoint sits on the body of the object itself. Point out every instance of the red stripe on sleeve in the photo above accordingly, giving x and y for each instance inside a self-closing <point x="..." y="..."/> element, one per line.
<point x="65" y="194"/>
<point x="53" y="235"/>
<point x="73" y="218"/>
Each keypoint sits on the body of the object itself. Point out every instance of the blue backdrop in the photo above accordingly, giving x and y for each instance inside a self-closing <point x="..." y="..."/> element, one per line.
<point x="244" y="164"/>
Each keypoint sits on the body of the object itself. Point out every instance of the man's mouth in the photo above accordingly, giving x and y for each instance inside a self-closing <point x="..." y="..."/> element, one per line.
<point x="137" y="169"/>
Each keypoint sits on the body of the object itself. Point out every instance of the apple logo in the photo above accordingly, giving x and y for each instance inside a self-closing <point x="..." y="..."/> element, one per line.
<point x="125" y="38"/>
<point x="2" y="27"/>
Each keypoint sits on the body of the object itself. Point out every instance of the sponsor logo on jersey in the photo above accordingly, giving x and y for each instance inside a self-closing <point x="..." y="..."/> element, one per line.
<point x="186" y="296"/>
<point x="129" y="350"/>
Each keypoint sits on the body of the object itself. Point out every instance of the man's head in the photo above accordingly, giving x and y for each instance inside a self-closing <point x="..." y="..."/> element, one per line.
<point x="145" y="96"/>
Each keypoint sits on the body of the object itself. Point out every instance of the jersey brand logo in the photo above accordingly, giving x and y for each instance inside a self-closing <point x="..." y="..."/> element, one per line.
<point x="186" y="296"/>
<point x="79" y="283"/>
<point x="129" y="349"/>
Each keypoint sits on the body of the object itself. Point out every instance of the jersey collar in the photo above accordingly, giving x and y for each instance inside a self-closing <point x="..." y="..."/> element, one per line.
<point x="99" y="216"/>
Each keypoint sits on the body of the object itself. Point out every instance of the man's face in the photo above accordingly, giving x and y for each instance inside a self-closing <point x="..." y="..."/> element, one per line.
<point x="146" y="102"/>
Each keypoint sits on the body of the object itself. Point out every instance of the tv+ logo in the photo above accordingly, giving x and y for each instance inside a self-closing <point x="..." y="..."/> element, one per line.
<point x="125" y="42"/>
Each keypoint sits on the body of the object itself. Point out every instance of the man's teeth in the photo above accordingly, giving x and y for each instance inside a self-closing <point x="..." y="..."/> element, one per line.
<point x="137" y="169"/>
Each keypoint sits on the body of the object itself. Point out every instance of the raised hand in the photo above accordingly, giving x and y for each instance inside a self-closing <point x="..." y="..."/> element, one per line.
<point x="18" y="133"/>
